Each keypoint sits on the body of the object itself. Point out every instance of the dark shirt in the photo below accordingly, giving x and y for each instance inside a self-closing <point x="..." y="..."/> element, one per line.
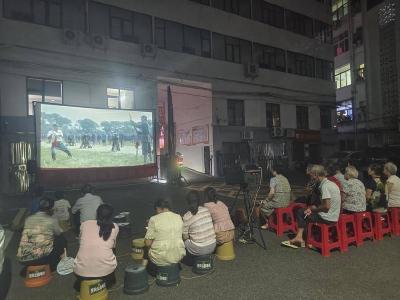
<point x="370" y="184"/>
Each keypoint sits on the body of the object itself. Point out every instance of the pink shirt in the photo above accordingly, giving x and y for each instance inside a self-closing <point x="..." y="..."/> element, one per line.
<point x="220" y="216"/>
<point x="95" y="257"/>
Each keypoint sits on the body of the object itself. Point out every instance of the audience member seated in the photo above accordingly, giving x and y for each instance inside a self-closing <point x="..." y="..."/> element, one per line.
<point x="312" y="190"/>
<point x="331" y="172"/>
<point x="278" y="196"/>
<point x="328" y="212"/>
<point x="339" y="175"/>
<point x="164" y="238"/>
<point x="198" y="229"/>
<point x="354" y="192"/>
<point x="42" y="242"/>
<point x="62" y="211"/>
<point x="37" y="194"/>
<point x="223" y="225"/>
<point x="97" y="241"/>
<point x="85" y="208"/>
<point x="375" y="189"/>
<point x="392" y="185"/>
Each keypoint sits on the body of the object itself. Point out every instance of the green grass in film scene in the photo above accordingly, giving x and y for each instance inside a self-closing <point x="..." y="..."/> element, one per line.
<point x="98" y="156"/>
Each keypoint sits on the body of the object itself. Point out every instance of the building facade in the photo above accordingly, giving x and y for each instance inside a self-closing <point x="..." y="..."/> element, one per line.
<point x="263" y="69"/>
<point x="366" y="48"/>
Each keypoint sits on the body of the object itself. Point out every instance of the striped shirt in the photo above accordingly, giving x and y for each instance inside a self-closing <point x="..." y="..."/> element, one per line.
<point x="199" y="228"/>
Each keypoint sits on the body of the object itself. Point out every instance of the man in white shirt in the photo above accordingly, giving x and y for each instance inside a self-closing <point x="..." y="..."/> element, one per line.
<point x="55" y="137"/>
<point x="328" y="212"/>
<point x="87" y="205"/>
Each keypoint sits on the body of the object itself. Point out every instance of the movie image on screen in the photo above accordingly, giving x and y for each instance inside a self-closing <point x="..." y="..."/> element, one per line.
<point x="77" y="137"/>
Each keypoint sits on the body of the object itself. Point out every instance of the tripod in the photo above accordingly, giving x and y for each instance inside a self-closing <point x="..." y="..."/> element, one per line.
<point x="246" y="234"/>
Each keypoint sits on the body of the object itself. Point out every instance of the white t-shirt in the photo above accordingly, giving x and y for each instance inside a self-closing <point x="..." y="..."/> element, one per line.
<point x="87" y="206"/>
<point x="329" y="190"/>
<point x="56" y="135"/>
<point x="60" y="209"/>
<point x="394" y="195"/>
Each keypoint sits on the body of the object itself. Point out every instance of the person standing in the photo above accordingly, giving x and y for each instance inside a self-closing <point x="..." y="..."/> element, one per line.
<point x="145" y="136"/>
<point x="86" y="206"/>
<point x="164" y="237"/>
<point x="97" y="241"/>
<point x="42" y="241"/>
<point x="55" y="137"/>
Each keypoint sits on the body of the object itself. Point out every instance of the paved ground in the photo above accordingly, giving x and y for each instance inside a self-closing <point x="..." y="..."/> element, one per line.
<point x="367" y="272"/>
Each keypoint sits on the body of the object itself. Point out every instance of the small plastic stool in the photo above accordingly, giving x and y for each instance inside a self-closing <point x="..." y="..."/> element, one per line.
<point x="136" y="281"/>
<point x="348" y="231"/>
<point x="381" y="225"/>
<point x="137" y="249"/>
<point x="203" y="264"/>
<point x="329" y="238"/>
<point x="277" y="220"/>
<point x="168" y="275"/>
<point x="226" y="251"/>
<point x="37" y="276"/>
<point x="93" y="290"/>
<point x="365" y="229"/>
<point x="395" y="220"/>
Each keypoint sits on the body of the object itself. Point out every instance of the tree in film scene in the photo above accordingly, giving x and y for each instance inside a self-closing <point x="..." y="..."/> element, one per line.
<point x="76" y="137"/>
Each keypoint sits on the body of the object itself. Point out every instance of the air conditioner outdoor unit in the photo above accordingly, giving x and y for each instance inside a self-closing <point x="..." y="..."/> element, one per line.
<point x="247" y="135"/>
<point x="70" y="36"/>
<point x="149" y="50"/>
<point x="98" y="41"/>
<point x="251" y="70"/>
<point x="277" y="132"/>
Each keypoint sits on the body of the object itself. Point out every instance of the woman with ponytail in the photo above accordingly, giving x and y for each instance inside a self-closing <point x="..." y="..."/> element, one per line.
<point x="95" y="258"/>
<point x="198" y="229"/>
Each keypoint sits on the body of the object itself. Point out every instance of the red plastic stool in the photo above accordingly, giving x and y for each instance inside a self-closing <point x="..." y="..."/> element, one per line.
<point x="329" y="238"/>
<point x="381" y="225"/>
<point x="365" y="229"/>
<point x="348" y="232"/>
<point x="281" y="225"/>
<point x="395" y="220"/>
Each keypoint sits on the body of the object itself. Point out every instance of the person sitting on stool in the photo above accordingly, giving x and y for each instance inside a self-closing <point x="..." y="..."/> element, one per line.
<point x="327" y="213"/>
<point x="42" y="241"/>
<point x="163" y="238"/>
<point x="97" y="241"/>
<point x="223" y="225"/>
<point x="198" y="230"/>
<point x="354" y="192"/>
<point x="278" y="196"/>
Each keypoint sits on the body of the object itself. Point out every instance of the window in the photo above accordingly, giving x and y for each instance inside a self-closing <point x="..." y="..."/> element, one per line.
<point x="323" y="32"/>
<point x="235" y="112"/>
<point x="130" y="26"/>
<point x="182" y="38"/>
<point x="44" y="12"/>
<point x="269" y="57"/>
<point x="231" y="49"/>
<point x="326" y="117"/>
<point x="120" y="99"/>
<point x="300" y="64"/>
<point x="73" y="12"/>
<point x="344" y="112"/>
<point x="298" y="23"/>
<point x="341" y="43"/>
<point x="205" y="2"/>
<point x="43" y="90"/>
<point x="323" y="69"/>
<point x="343" y="76"/>
<point x="238" y="7"/>
<point x="268" y="13"/>
<point x="358" y="37"/>
<point x="99" y="18"/>
<point x="302" y="117"/>
<point x="361" y="73"/>
<point x="273" y="115"/>
<point x="339" y="9"/>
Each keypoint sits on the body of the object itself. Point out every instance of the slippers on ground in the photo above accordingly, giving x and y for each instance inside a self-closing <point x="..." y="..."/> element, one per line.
<point x="264" y="227"/>
<point x="294" y="245"/>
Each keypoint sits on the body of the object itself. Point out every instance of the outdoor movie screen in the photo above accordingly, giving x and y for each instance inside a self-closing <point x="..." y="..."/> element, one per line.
<point x="79" y="137"/>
